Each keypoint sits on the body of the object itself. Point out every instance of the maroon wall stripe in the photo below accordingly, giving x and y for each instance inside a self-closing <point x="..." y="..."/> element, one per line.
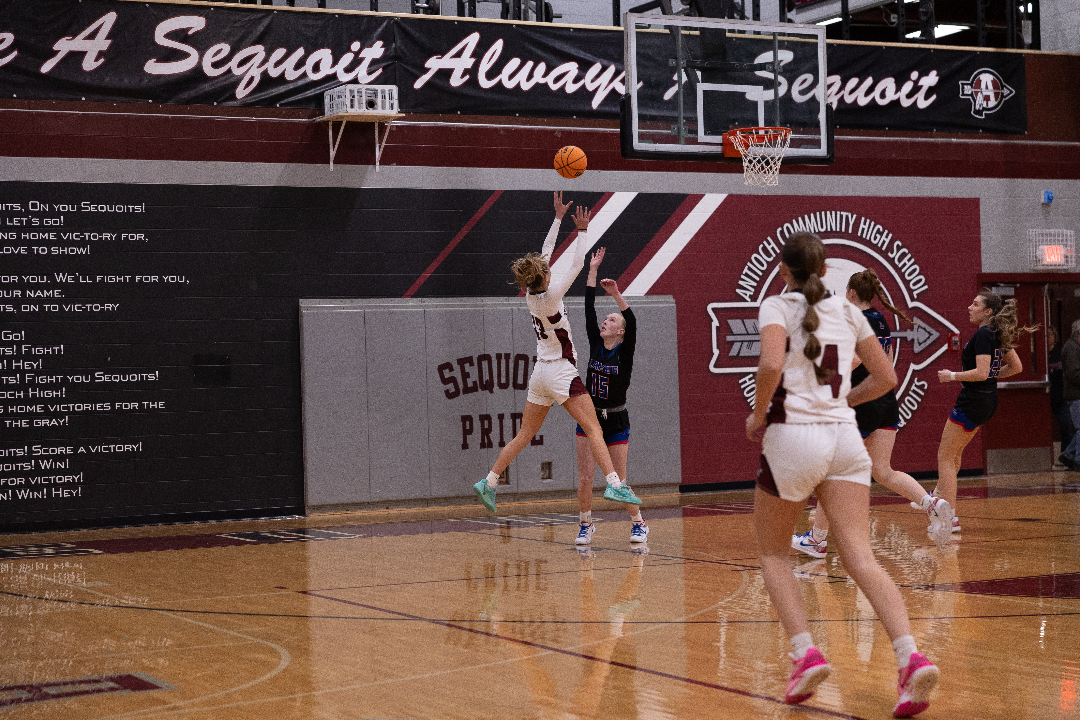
<point x="658" y="240"/>
<point x="195" y="133"/>
<point x="560" y="248"/>
<point x="453" y="244"/>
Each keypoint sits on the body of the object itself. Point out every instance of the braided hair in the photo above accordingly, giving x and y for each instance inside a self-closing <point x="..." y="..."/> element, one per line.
<point x="804" y="255"/>
<point x="1005" y="319"/>
<point x="867" y="287"/>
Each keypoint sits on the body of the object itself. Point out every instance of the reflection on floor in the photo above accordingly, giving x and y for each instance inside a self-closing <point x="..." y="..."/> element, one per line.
<point x="451" y="613"/>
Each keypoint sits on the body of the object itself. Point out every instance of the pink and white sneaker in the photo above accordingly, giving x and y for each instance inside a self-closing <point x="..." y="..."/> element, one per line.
<point x="806" y="676"/>
<point x="916" y="681"/>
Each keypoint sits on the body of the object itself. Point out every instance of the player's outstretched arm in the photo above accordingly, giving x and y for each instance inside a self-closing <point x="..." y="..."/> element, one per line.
<point x="553" y="232"/>
<point x="560" y="208"/>
<point x="612" y="289"/>
<point x="594" y="265"/>
<point x="559" y="285"/>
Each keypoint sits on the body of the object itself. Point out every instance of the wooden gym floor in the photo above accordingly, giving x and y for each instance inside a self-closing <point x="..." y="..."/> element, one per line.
<point x="405" y="615"/>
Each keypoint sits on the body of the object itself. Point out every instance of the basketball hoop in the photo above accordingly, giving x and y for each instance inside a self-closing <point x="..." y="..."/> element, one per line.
<point x="762" y="149"/>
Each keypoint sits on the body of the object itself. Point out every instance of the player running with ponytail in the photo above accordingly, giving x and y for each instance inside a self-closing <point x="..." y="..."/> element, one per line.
<point x="555" y="377"/>
<point x="878" y="421"/>
<point x="812" y="446"/>
<point x="987" y="357"/>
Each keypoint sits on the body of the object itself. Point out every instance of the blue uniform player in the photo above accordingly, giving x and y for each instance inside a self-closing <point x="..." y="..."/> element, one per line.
<point x="611" y="363"/>
<point x="987" y="357"/>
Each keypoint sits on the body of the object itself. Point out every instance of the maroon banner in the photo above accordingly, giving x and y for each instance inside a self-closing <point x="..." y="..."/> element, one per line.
<point x="726" y="257"/>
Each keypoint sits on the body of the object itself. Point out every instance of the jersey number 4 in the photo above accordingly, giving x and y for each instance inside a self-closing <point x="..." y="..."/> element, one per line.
<point x="830" y="362"/>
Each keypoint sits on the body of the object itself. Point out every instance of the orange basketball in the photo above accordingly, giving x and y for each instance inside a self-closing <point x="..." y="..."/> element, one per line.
<point x="570" y="161"/>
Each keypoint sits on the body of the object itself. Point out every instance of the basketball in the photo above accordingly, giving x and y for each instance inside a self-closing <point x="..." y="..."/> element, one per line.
<point x="570" y="161"/>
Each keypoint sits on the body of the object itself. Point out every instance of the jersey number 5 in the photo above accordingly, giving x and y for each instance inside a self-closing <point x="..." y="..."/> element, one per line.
<point x="995" y="364"/>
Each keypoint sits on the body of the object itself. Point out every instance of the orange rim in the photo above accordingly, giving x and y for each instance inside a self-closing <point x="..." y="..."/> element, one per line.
<point x="762" y="134"/>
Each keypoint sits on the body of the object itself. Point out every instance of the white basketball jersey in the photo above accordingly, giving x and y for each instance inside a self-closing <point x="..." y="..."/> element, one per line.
<point x="553" y="338"/>
<point x="842" y="326"/>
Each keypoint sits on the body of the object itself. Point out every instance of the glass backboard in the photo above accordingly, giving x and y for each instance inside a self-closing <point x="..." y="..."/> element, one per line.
<point x="735" y="73"/>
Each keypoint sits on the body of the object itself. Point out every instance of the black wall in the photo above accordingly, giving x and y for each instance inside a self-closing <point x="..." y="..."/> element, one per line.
<point x="190" y="404"/>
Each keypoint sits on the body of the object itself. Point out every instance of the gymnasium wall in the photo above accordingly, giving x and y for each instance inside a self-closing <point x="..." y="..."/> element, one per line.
<point x="403" y="400"/>
<point x="154" y="259"/>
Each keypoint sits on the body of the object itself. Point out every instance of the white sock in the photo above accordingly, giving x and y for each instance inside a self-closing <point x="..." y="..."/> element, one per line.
<point x="613" y="479"/>
<point x="800" y="644"/>
<point x="637" y="517"/>
<point x="492" y="479"/>
<point x="904" y="647"/>
<point x="585" y="517"/>
<point x="926" y="500"/>
<point x="818" y="534"/>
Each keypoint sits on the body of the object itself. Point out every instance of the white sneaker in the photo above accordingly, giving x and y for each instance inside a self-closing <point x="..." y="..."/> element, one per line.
<point x="941" y="519"/>
<point x="639" y="532"/>
<point x="584" y="536"/>
<point x="805" y="543"/>
<point x="917" y="506"/>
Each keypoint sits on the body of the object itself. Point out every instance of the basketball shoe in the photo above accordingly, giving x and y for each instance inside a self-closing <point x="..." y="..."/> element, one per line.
<point x="639" y="532"/>
<point x="584" y="536"/>
<point x="916" y="681"/>
<point x="621" y="494"/>
<point x="805" y="543"/>
<point x="806" y="675"/>
<point x="941" y="518"/>
<point x="486" y="493"/>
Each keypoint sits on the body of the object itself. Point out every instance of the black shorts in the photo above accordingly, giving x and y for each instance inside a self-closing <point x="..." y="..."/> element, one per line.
<point x="974" y="408"/>
<point x="615" y="427"/>
<point x="883" y="412"/>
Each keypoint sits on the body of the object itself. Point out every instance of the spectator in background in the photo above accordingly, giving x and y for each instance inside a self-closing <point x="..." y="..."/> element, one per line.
<point x="1070" y="391"/>
<point x="1059" y="407"/>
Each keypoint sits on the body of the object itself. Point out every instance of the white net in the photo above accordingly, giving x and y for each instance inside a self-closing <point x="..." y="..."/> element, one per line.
<point x="762" y="150"/>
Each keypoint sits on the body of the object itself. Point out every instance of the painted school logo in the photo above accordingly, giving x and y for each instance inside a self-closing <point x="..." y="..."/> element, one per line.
<point x="987" y="92"/>
<point x="853" y="244"/>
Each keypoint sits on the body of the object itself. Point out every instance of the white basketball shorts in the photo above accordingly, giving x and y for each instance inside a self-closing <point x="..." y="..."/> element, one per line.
<point x="552" y="382"/>
<point x="800" y="457"/>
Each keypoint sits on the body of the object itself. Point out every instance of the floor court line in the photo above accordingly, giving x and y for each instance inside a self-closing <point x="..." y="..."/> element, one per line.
<point x="749" y="644"/>
<point x="763" y="621"/>
<point x="283" y="653"/>
<point x="586" y="656"/>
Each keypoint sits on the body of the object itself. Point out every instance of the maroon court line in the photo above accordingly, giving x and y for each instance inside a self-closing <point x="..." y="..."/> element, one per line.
<point x="584" y="656"/>
<point x="309" y="616"/>
<point x="453" y="243"/>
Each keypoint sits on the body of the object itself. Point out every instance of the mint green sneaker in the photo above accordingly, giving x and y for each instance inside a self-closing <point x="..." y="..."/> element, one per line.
<point x="486" y="493"/>
<point x="622" y="494"/>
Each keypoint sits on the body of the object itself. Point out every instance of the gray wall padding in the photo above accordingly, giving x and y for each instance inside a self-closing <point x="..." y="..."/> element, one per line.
<point x="379" y="426"/>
